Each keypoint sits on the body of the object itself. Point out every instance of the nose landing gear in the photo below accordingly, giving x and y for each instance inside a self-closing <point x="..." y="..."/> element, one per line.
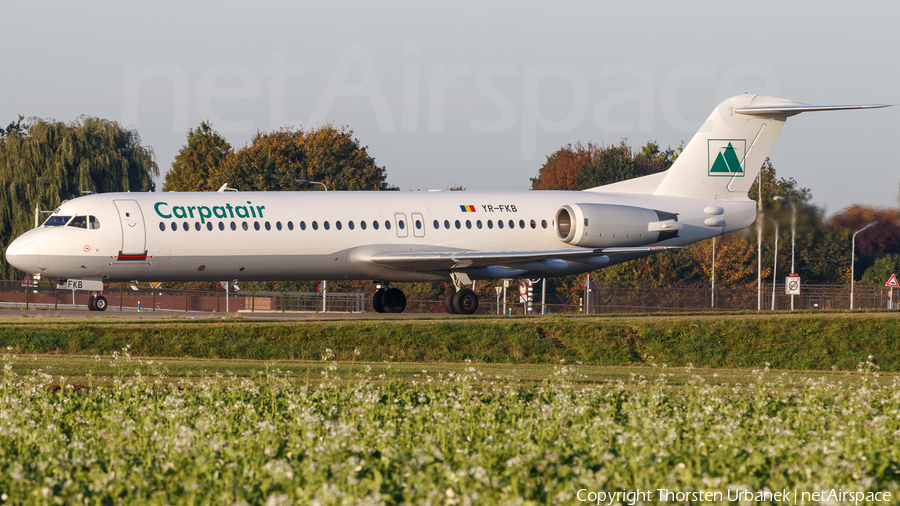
<point x="97" y="303"/>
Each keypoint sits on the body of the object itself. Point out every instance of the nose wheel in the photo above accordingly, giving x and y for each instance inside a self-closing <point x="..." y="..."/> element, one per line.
<point x="97" y="303"/>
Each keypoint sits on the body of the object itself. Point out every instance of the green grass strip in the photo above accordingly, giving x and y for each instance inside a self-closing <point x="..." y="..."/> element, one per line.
<point x="800" y="342"/>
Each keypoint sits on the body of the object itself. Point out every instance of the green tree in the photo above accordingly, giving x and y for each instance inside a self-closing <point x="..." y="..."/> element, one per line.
<point x="275" y="161"/>
<point x="881" y="270"/>
<point x="46" y="162"/>
<point x="198" y="161"/>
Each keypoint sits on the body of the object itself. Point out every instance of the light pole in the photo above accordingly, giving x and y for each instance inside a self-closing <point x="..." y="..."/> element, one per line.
<point x="853" y="259"/>
<point x="324" y="282"/>
<point x="306" y="181"/>
<point x="38" y="213"/>
<point x="774" y="261"/>
<point x="712" y="292"/>
<point x="759" y="231"/>
<point x="793" y="234"/>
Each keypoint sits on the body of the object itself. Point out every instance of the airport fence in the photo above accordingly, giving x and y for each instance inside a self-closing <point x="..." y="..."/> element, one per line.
<point x="123" y="298"/>
<point x="598" y="300"/>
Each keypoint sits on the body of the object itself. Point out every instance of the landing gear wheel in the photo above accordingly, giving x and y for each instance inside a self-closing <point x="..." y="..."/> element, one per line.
<point x="376" y="300"/>
<point x="465" y="301"/>
<point x="448" y="300"/>
<point x="91" y="303"/>
<point x="393" y="301"/>
<point x="100" y="303"/>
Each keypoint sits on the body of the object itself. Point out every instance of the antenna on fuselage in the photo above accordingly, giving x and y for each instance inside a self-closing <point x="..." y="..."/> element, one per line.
<point x="225" y="188"/>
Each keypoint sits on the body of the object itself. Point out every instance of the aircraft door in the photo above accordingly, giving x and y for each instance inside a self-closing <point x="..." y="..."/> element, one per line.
<point x="418" y="225"/>
<point x="401" y="225"/>
<point x="134" y="238"/>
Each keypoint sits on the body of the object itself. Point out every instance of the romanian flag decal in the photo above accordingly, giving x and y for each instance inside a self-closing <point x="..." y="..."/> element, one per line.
<point x="467" y="209"/>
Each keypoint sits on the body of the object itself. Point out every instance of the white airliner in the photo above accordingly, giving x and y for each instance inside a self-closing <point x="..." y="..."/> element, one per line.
<point x="415" y="236"/>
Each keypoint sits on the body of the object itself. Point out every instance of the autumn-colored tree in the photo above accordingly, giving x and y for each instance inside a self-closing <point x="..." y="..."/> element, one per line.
<point x="882" y="239"/>
<point x="735" y="260"/>
<point x="198" y="161"/>
<point x="275" y="161"/>
<point x="579" y="166"/>
<point x="45" y="162"/>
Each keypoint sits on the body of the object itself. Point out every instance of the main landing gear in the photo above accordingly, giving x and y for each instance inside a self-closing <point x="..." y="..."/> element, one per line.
<point x="97" y="303"/>
<point x="459" y="299"/>
<point x="389" y="300"/>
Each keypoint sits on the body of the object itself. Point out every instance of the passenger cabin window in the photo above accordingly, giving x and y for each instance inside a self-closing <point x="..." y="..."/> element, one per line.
<point x="78" y="222"/>
<point x="57" y="221"/>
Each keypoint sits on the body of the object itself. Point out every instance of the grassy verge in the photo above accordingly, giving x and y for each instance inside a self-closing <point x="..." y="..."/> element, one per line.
<point x="798" y="342"/>
<point x="81" y="370"/>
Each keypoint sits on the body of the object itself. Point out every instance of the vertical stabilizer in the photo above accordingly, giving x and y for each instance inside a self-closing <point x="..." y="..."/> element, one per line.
<point x="725" y="156"/>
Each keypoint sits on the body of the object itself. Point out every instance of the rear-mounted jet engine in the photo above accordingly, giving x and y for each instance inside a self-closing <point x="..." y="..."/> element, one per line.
<point x="609" y="225"/>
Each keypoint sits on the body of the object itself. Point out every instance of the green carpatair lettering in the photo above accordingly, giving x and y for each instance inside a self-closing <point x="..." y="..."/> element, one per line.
<point x="206" y="213"/>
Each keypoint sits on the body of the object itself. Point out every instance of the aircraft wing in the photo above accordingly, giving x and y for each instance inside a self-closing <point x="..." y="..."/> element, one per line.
<point x="447" y="260"/>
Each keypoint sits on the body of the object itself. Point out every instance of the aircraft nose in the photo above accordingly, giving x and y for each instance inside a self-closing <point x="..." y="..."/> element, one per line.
<point x="24" y="254"/>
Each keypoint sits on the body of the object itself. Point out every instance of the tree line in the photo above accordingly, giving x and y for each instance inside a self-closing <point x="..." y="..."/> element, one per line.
<point x="45" y="162"/>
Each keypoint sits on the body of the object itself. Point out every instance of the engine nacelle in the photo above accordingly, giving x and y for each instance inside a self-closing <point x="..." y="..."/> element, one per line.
<point x="608" y="225"/>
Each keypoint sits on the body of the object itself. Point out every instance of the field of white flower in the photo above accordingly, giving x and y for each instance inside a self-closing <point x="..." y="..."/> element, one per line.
<point x="441" y="439"/>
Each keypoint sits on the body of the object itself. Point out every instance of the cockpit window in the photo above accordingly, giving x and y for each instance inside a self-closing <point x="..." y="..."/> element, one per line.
<point x="93" y="223"/>
<point x="79" y="222"/>
<point x="57" y="221"/>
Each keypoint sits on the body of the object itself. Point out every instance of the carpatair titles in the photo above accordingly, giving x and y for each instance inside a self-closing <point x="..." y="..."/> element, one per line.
<point x="164" y="210"/>
<point x="726" y="157"/>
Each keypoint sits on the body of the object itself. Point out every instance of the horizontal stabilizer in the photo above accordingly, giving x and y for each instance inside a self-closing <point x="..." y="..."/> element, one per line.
<point x="785" y="111"/>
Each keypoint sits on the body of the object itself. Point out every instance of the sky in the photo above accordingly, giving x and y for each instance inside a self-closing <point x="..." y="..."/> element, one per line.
<point x="473" y="94"/>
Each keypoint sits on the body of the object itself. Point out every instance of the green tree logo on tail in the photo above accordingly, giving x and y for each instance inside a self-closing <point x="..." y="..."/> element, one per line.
<point x="726" y="157"/>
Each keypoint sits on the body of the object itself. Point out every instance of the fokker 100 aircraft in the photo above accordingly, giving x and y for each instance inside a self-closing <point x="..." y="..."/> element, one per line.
<point x="415" y="236"/>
